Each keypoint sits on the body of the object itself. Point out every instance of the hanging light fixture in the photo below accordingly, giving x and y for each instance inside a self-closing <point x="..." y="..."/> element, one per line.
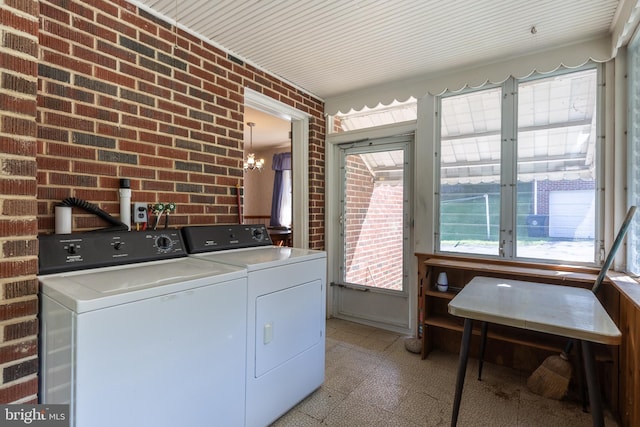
<point x="251" y="163"/>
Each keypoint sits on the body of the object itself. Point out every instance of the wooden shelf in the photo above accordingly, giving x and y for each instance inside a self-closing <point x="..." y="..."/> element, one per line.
<point x="449" y="295"/>
<point x="492" y="268"/>
<point x="436" y="324"/>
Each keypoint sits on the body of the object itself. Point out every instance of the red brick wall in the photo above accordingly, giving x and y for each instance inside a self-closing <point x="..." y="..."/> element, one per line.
<point x="359" y="190"/>
<point x="373" y="237"/>
<point x="546" y="187"/>
<point x="18" y="226"/>
<point x="97" y="90"/>
<point x="122" y="95"/>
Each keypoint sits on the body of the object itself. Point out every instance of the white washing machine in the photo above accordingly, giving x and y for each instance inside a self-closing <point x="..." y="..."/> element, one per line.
<point x="135" y="333"/>
<point x="285" y="316"/>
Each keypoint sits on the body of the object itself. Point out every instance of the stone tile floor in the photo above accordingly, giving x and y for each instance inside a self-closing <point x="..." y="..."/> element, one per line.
<point x="372" y="380"/>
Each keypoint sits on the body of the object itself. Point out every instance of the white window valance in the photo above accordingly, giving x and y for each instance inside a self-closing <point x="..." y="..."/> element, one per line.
<point x="570" y="56"/>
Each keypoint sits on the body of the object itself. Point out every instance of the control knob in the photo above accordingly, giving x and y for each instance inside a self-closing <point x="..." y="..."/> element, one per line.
<point x="164" y="243"/>
<point x="258" y="234"/>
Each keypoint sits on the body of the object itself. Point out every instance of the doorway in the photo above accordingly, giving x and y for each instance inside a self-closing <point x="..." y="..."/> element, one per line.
<point x="374" y="230"/>
<point x="268" y="138"/>
<point x="300" y="158"/>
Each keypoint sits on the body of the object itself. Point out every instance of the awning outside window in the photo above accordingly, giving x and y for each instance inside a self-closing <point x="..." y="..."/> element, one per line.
<point x="567" y="130"/>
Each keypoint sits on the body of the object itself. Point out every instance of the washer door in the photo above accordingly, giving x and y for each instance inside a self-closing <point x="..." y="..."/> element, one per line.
<point x="288" y="322"/>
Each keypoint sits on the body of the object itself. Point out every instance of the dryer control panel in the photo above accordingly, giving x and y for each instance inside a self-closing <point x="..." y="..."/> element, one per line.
<point x="209" y="238"/>
<point x="80" y="251"/>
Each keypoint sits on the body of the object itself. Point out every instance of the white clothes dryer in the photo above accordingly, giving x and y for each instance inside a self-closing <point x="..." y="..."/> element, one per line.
<point x="286" y="314"/>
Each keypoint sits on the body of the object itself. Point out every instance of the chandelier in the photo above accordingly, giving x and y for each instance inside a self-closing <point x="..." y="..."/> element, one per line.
<point x="251" y="163"/>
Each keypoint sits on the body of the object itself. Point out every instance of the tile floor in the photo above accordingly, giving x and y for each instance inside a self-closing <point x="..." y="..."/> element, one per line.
<point x="372" y="380"/>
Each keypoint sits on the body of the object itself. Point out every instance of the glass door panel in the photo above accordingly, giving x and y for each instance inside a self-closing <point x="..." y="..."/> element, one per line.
<point x="374" y="233"/>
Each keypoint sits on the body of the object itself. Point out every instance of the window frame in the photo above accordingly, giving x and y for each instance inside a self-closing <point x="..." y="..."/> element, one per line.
<point x="509" y="163"/>
<point x="633" y="152"/>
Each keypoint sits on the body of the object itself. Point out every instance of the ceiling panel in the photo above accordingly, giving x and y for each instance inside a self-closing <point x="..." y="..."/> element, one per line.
<point x="332" y="47"/>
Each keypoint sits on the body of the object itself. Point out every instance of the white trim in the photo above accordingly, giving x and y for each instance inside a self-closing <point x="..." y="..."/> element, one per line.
<point x="614" y="148"/>
<point x="617" y="115"/>
<point x="371" y="133"/>
<point x="255" y="99"/>
<point x="624" y="24"/>
<point x="332" y="217"/>
<point x="300" y="179"/>
<point x="631" y="85"/>
<point x="299" y="158"/>
<point x="425" y="184"/>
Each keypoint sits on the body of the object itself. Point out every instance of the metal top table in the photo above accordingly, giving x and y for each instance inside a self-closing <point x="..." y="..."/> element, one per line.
<point x="561" y="310"/>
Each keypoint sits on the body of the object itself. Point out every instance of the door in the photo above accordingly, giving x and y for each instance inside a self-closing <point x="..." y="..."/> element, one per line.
<point x="374" y="233"/>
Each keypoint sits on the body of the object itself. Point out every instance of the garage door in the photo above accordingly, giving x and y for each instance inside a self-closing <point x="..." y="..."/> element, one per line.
<point x="572" y="214"/>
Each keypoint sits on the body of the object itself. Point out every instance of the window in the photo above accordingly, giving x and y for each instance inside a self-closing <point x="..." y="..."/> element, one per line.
<point x="470" y="172"/>
<point x="281" y="200"/>
<point x="518" y="169"/>
<point x="633" y="141"/>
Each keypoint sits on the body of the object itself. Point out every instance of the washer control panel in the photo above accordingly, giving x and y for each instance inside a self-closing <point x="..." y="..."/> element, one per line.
<point x="209" y="238"/>
<point x="80" y="251"/>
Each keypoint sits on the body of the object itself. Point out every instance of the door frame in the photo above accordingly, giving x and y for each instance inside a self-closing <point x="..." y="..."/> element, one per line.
<point x="299" y="158"/>
<point x="334" y="210"/>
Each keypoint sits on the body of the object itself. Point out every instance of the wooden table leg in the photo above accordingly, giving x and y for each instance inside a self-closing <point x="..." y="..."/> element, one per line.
<point x="595" y="400"/>
<point x="462" y="369"/>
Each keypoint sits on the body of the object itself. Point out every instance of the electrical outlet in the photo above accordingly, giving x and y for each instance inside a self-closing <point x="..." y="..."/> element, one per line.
<point x="140" y="213"/>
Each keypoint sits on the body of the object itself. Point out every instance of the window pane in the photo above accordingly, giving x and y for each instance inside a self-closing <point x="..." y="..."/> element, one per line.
<point x="470" y="172"/>
<point x="374" y="219"/>
<point x="556" y="194"/>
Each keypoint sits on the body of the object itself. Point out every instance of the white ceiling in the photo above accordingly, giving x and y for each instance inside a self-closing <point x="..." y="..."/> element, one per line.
<point x="269" y="131"/>
<point x="329" y="48"/>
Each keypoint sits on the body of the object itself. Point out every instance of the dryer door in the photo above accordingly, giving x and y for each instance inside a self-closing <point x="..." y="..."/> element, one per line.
<point x="288" y="322"/>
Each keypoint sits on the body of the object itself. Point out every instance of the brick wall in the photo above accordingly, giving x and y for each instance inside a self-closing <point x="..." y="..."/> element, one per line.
<point x="373" y="239"/>
<point x="545" y="188"/>
<point x="316" y="182"/>
<point x="18" y="227"/>
<point x="96" y="91"/>
<point x="121" y="94"/>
